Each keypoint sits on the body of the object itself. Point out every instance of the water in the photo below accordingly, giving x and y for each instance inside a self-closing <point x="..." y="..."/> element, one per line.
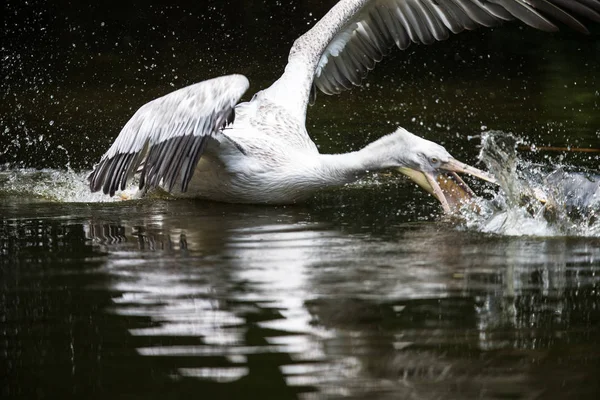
<point x="169" y="298"/>
<point x="534" y="199"/>
<point x="362" y="292"/>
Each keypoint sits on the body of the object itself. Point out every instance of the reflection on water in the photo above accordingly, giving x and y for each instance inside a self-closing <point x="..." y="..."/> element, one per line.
<point x="157" y="297"/>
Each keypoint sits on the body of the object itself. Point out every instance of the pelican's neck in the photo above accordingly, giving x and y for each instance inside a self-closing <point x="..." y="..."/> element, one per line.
<point x="338" y="169"/>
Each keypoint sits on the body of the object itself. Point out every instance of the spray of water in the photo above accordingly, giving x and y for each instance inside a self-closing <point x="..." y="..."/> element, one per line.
<point x="51" y="184"/>
<point x="535" y="200"/>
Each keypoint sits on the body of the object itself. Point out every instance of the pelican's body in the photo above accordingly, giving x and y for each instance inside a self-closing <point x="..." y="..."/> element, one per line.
<point x="266" y="155"/>
<point x="256" y="163"/>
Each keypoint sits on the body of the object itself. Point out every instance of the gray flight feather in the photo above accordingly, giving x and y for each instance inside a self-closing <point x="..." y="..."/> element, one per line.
<point x="169" y="135"/>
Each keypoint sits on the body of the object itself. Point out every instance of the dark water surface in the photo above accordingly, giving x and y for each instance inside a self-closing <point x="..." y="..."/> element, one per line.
<point x="364" y="292"/>
<point x="158" y="299"/>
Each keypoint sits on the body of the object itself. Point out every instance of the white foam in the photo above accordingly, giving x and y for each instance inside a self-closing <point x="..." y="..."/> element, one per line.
<point x="56" y="185"/>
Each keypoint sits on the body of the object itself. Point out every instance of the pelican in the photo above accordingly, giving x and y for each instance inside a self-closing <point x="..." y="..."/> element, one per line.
<point x="199" y="142"/>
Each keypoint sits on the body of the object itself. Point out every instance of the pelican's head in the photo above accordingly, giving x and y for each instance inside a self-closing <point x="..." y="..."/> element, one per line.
<point x="428" y="164"/>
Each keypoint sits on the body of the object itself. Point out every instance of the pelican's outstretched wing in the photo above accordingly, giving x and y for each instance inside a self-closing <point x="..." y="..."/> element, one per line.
<point x="345" y="44"/>
<point x="171" y="133"/>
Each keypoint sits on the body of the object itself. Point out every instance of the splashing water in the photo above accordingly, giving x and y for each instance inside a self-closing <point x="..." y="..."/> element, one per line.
<point x="51" y="184"/>
<point x="534" y="200"/>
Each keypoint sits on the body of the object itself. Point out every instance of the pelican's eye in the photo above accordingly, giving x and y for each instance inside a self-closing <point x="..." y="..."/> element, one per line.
<point x="434" y="160"/>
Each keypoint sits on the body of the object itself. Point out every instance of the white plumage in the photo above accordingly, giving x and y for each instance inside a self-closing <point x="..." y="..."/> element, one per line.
<point x="266" y="155"/>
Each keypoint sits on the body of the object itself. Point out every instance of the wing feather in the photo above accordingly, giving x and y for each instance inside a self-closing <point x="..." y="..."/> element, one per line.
<point x="476" y="15"/>
<point x="171" y="133"/>
<point x="527" y="14"/>
<point x="452" y="16"/>
<point x="558" y="14"/>
<point x="393" y="26"/>
<point x="410" y="21"/>
<point x="436" y="25"/>
<point x="588" y="8"/>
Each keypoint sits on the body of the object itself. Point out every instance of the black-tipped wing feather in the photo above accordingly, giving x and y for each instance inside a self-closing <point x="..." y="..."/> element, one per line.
<point x="170" y="133"/>
<point x="379" y="24"/>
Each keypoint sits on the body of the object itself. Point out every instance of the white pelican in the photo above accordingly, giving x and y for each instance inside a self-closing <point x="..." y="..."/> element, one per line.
<point x="265" y="154"/>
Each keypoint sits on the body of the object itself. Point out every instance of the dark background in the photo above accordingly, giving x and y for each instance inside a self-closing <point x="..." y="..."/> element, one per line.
<point x="73" y="73"/>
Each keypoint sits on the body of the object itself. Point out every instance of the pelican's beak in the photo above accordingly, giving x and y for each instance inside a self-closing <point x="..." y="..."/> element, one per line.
<point x="456" y="166"/>
<point x="445" y="185"/>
